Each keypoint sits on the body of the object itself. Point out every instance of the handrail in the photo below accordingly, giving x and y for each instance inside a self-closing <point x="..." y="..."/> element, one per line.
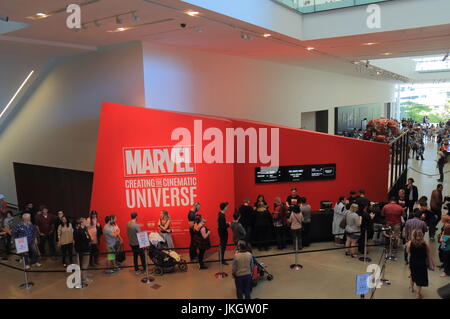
<point x="397" y="138"/>
<point x="311" y="6"/>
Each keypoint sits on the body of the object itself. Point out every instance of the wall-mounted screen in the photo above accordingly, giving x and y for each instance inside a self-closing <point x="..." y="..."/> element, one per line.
<point x="295" y="173"/>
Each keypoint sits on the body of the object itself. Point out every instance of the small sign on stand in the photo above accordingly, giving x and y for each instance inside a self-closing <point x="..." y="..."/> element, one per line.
<point x="362" y="284"/>
<point x="22" y="248"/>
<point x="144" y="243"/>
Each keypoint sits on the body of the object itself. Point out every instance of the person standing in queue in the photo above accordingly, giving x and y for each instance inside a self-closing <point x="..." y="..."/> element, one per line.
<point x="306" y="212"/>
<point x="82" y="246"/>
<point x="242" y="271"/>
<point x="440" y="165"/>
<point x="247" y="218"/>
<point x="412" y="194"/>
<point x="223" y="230"/>
<point x="192" y="216"/>
<point x="436" y="202"/>
<point x="201" y="239"/>
<point x="133" y="228"/>
<point x="279" y="222"/>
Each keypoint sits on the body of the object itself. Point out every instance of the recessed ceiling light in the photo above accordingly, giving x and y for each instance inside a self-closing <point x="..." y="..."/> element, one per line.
<point x="309" y="48"/>
<point x="38" y="16"/>
<point x="192" y="13"/>
<point x="121" y="29"/>
<point x="370" y="43"/>
<point x="267" y="35"/>
<point x="386" y="53"/>
<point x="356" y="62"/>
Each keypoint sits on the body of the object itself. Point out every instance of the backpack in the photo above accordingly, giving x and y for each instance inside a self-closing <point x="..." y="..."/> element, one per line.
<point x="343" y="222"/>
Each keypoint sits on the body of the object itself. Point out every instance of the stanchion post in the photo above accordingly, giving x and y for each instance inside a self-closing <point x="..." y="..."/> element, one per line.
<point x="147" y="279"/>
<point x="390" y="255"/>
<point x="221" y="273"/>
<point x="296" y="265"/>
<point x="26" y="284"/>
<point x="365" y="258"/>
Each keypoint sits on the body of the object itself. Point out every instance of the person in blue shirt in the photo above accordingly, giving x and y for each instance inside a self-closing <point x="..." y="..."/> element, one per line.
<point x="27" y="229"/>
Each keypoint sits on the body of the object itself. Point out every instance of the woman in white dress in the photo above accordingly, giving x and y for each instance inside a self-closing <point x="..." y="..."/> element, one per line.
<point x="339" y="214"/>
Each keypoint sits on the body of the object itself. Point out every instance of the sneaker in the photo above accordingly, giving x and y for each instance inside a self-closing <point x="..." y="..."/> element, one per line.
<point x="27" y="267"/>
<point x="37" y="265"/>
<point x="443" y="275"/>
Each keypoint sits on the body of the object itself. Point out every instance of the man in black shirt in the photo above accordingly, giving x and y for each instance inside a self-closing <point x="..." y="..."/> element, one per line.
<point x="223" y="230"/>
<point x="193" y="213"/>
<point x="362" y="201"/>
<point x="247" y="218"/>
<point x="411" y="194"/>
<point x="293" y="199"/>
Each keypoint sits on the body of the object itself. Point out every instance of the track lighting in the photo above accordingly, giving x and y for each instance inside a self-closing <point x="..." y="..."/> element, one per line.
<point x="135" y="17"/>
<point x="246" y="36"/>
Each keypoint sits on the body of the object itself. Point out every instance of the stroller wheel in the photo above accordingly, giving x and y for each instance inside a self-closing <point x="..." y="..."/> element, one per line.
<point x="158" y="271"/>
<point x="269" y="277"/>
<point x="182" y="266"/>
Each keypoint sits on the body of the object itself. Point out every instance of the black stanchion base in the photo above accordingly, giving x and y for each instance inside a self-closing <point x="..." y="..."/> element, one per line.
<point x="366" y="259"/>
<point x="296" y="266"/>
<point x="221" y="275"/>
<point x="147" y="280"/>
<point x="26" y="285"/>
<point x="385" y="282"/>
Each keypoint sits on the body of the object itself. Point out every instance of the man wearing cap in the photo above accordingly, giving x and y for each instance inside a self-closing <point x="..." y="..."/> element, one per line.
<point x="223" y="230"/>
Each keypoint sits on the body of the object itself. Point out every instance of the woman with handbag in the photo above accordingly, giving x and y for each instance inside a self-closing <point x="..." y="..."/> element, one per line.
<point x="164" y="228"/>
<point x="419" y="262"/>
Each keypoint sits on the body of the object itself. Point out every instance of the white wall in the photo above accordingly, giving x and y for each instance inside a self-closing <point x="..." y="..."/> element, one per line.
<point x="213" y="84"/>
<point x="57" y="126"/>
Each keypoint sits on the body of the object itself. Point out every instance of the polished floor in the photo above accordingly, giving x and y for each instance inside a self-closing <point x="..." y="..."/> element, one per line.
<point x="326" y="274"/>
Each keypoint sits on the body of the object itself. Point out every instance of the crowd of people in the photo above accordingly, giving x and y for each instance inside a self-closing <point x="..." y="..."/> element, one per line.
<point x="401" y="222"/>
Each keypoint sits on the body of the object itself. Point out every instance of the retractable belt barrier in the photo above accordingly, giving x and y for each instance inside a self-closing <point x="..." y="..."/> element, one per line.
<point x="183" y="248"/>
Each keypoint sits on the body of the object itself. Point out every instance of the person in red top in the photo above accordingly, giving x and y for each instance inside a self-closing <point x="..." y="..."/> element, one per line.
<point x="45" y="225"/>
<point x="393" y="213"/>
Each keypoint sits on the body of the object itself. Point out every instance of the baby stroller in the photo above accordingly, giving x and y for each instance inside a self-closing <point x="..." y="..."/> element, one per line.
<point x="259" y="272"/>
<point x="165" y="260"/>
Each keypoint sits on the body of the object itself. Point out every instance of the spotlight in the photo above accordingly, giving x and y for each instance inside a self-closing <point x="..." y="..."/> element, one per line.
<point x="445" y="58"/>
<point x="309" y="48"/>
<point x="267" y="35"/>
<point x="245" y="36"/>
<point x="183" y="25"/>
<point x="4" y="18"/>
<point x="192" y="13"/>
<point x="118" y="20"/>
<point x="135" y="17"/>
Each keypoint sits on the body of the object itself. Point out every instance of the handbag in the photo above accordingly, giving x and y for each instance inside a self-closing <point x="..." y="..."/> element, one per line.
<point x="120" y="253"/>
<point x="343" y="222"/>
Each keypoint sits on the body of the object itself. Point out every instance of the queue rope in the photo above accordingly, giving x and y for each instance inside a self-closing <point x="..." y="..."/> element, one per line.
<point x="426" y="174"/>
<point x="206" y="261"/>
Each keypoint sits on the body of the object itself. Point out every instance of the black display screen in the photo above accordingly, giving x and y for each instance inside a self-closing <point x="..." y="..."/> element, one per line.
<point x="295" y="173"/>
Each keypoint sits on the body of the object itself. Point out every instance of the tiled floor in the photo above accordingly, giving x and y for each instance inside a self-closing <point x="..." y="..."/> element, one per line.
<point x="325" y="274"/>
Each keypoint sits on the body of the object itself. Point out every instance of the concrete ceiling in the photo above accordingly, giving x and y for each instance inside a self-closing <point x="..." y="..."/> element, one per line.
<point x="160" y="23"/>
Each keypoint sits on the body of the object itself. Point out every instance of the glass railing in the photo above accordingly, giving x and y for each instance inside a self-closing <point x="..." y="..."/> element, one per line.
<point x="309" y="6"/>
